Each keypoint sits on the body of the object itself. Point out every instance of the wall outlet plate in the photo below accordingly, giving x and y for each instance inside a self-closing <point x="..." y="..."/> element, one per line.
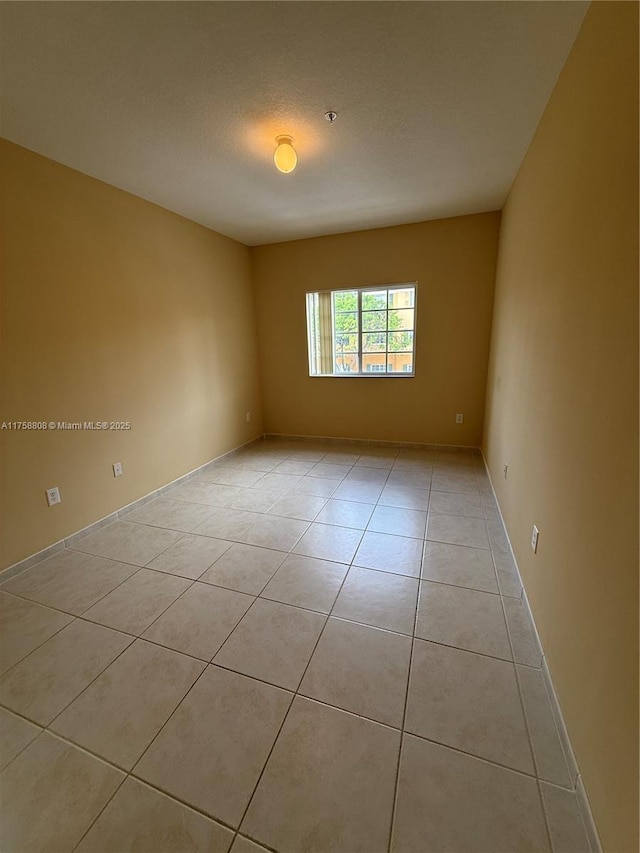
<point x="459" y="418"/>
<point x="117" y="469"/>
<point x="53" y="496"/>
<point x="506" y="471"/>
<point x="534" y="539"/>
<point x="248" y="416"/>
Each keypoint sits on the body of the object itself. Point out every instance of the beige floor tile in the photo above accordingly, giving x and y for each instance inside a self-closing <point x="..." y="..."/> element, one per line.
<point x="200" y="621"/>
<point x="327" y="542"/>
<point x="191" y="556"/>
<point x="212" y="750"/>
<point x="405" y="497"/>
<point x="69" y="581"/>
<point x="24" y="626"/>
<point x="344" y="458"/>
<point x="526" y="649"/>
<point x="397" y="554"/>
<point x="255" y="500"/>
<point x="360" y="474"/>
<point x="294" y="466"/>
<point x="128" y="542"/>
<point x="277" y="482"/>
<point x="135" y="604"/>
<point x="141" y="820"/>
<point x="245" y="568"/>
<point x="379" y="599"/>
<point x="545" y="740"/>
<point x="329" y="470"/>
<point x="497" y="536"/>
<point x="306" y="582"/>
<point x="458" y="530"/>
<point x="320" y="486"/>
<point x="453" y="803"/>
<point x="398" y="521"/>
<point x="454" y="482"/>
<point x="44" y="683"/>
<point x="356" y="490"/>
<point x="203" y="492"/>
<point x="272" y="642"/>
<point x="173" y="514"/>
<point x="51" y="794"/>
<point x="507" y="574"/>
<point x="345" y="514"/>
<point x="121" y="712"/>
<point x="489" y="510"/>
<point x="233" y="476"/>
<point x="303" y="507"/>
<point x="413" y="479"/>
<point x="245" y="845"/>
<point x="566" y="828"/>
<point x="372" y="460"/>
<point x="460" y="566"/>
<point x="15" y="735"/>
<point x="469" y="702"/>
<point x="253" y="462"/>
<point x="280" y="534"/>
<point x="360" y="669"/>
<point x="412" y="459"/>
<point x="309" y="454"/>
<point x="267" y="525"/>
<point x="465" y="618"/>
<point x="377" y="451"/>
<point x="328" y="785"/>
<point x="225" y="523"/>
<point x="452" y="503"/>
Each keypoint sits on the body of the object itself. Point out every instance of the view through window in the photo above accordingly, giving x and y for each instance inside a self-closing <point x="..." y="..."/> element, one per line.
<point x="363" y="331"/>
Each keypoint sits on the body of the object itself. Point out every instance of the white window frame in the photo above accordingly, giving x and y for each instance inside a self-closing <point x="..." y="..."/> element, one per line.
<point x="403" y="374"/>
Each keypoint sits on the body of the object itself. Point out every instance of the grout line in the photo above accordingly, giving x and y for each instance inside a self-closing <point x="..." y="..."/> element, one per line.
<point x="529" y="735"/>
<point x="394" y="806"/>
<point x="538" y="645"/>
<point x="295" y="693"/>
<point x="27" y="745"/>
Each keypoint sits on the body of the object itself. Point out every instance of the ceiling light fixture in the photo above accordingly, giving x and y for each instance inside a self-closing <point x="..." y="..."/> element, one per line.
<point x="285" y="156"/>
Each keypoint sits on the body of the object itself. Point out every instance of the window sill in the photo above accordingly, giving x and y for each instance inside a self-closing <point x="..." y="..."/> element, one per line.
<point x="362" y="375"/>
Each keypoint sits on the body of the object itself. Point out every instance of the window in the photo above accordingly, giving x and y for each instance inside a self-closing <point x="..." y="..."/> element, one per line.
<point x="364" y="331"/>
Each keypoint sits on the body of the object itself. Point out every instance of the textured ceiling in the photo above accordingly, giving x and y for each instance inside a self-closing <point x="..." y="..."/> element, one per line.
<point x="180" y="103"/>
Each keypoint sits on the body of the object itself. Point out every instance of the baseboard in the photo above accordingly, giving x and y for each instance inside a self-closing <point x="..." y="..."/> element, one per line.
<point x="69" y="541"/>
<point x="561" y="727"/>
<point x="374" y="442"/>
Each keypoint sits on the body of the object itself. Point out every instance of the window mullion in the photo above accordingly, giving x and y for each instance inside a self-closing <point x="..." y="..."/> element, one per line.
<point x="386" y="339"/>
<point x="360" y="340"/>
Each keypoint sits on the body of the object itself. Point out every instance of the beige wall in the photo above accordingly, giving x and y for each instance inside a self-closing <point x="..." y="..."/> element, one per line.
<point x="453" y="261"/>
<point x="112" y="309"/>
<point x="562" y="403"/>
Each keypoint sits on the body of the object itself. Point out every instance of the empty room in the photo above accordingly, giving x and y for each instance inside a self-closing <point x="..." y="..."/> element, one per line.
<point x="319" y="427"/>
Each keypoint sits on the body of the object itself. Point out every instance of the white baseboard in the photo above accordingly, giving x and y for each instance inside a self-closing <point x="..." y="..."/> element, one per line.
<point x="374" y="442"/>
<point x="578" y="786"/>
<point x="69" y="541"/>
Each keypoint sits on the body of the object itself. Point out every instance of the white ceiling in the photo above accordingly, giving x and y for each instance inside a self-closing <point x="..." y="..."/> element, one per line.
<point x="180" y="103"/>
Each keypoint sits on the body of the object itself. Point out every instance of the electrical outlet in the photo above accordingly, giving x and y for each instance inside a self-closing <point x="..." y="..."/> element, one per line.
<point x="117" y="469"/>
<point x="534" y="539"/>
<point x="248" y="416"/>
<point x="459" y="418"/>
<point x="506" y="471"/>
<point x="53" y="496"/>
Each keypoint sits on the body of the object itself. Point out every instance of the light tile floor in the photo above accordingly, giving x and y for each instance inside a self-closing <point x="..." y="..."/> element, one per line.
<point x="306" y="647"/>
